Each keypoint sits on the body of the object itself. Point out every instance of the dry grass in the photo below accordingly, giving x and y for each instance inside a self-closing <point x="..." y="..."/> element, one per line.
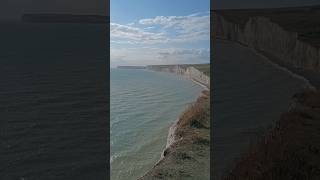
<point x="188" y="157"/>
<point x="291" y="151"/>
<point x="196" y="116"/>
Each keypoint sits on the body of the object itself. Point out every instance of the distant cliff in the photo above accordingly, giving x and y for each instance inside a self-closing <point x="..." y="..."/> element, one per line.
<point x="264" y="33"/>
<point x="131" y="67"/>
<point x="290" y="150"/>
<point x="64" y="18"/>
<point x="189" y="71"/>
<point x="187" y="152"/>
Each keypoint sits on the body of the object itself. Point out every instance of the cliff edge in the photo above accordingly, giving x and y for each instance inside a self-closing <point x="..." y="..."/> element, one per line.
<point x="288" y="36"/>
<point x="198" y="73"/>
<point x="291" y="150"/>
<point x="187" y="153"/>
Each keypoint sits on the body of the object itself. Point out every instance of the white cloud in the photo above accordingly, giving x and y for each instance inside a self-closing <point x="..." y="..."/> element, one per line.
<point x="183" y="23"/>
<point x="149" y="56"/>
<point x="149" y="28"/>
<point x="178" y="55"/>
<point x="161" y="40"/>
<point x="172" y="29"/>
<point x="135" y="34"/>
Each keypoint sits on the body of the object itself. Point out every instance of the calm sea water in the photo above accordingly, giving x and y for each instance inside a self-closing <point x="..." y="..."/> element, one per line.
<point x="143" y="106"/>
<point x="249" y="95"/>
<point x="53" y="101"/>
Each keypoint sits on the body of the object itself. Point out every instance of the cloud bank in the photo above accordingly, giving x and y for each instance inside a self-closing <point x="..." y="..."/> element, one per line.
<point x="162" y="40"/>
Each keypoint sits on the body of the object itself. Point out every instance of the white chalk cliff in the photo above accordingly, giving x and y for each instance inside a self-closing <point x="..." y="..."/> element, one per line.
<point x="189" y="72"/>
<point x="262" y="34"/>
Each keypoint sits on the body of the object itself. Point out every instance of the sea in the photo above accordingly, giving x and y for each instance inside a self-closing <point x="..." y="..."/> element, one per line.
<point x="53" y="101"/>
<point x="143" y="105"/>
<point x="250" y="93"/>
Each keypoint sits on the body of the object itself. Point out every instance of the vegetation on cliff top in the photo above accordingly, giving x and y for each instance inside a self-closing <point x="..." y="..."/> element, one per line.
<point x="291" y="150"/>
<point x="188" y="157"/>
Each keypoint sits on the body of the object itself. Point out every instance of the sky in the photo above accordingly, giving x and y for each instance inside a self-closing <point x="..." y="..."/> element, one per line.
<point x="149" y="32"/>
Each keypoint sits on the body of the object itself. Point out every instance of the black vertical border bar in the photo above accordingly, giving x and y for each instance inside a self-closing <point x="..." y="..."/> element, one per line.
<point x="108" y="85"/>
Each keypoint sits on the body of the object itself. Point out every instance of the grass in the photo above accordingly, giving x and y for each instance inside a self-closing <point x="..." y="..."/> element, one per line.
<point x="188" y="157"/>
<point x="198" y="114"/>
<point x="289" y="151"/>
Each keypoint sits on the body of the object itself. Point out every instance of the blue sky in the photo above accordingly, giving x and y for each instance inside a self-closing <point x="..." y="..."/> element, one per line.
<point x="145" y="32"/>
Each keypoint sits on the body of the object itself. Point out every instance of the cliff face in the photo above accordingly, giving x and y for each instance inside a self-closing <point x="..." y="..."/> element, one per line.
<point x="131" y="67"/>
<point x="187" y="153"/>
<point x="187" y="71"/>
<point x="291" y="149"/>
<point x="264" y="35"/>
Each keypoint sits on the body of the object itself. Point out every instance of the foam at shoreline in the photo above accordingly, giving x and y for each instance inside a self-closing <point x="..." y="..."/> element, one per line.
<point x="142" y="110"/>
<point x="275" y="41"/>
<point x="276" y="65"/>
<point x="173" y="141"/>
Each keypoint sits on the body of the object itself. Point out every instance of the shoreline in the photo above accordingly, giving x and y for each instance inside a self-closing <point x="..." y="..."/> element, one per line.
<point x="173" y="107"/>
<point x="276" y="63"/>
<point x="173" y="138"/>
<point x="295" y="106"/>
<point x="290" y="149"/>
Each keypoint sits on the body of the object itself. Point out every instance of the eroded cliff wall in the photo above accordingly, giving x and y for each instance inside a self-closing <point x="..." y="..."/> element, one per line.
<point x="187" y="153"/>
<point x="189" y="72"/>
<point x="264" y="35"/>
